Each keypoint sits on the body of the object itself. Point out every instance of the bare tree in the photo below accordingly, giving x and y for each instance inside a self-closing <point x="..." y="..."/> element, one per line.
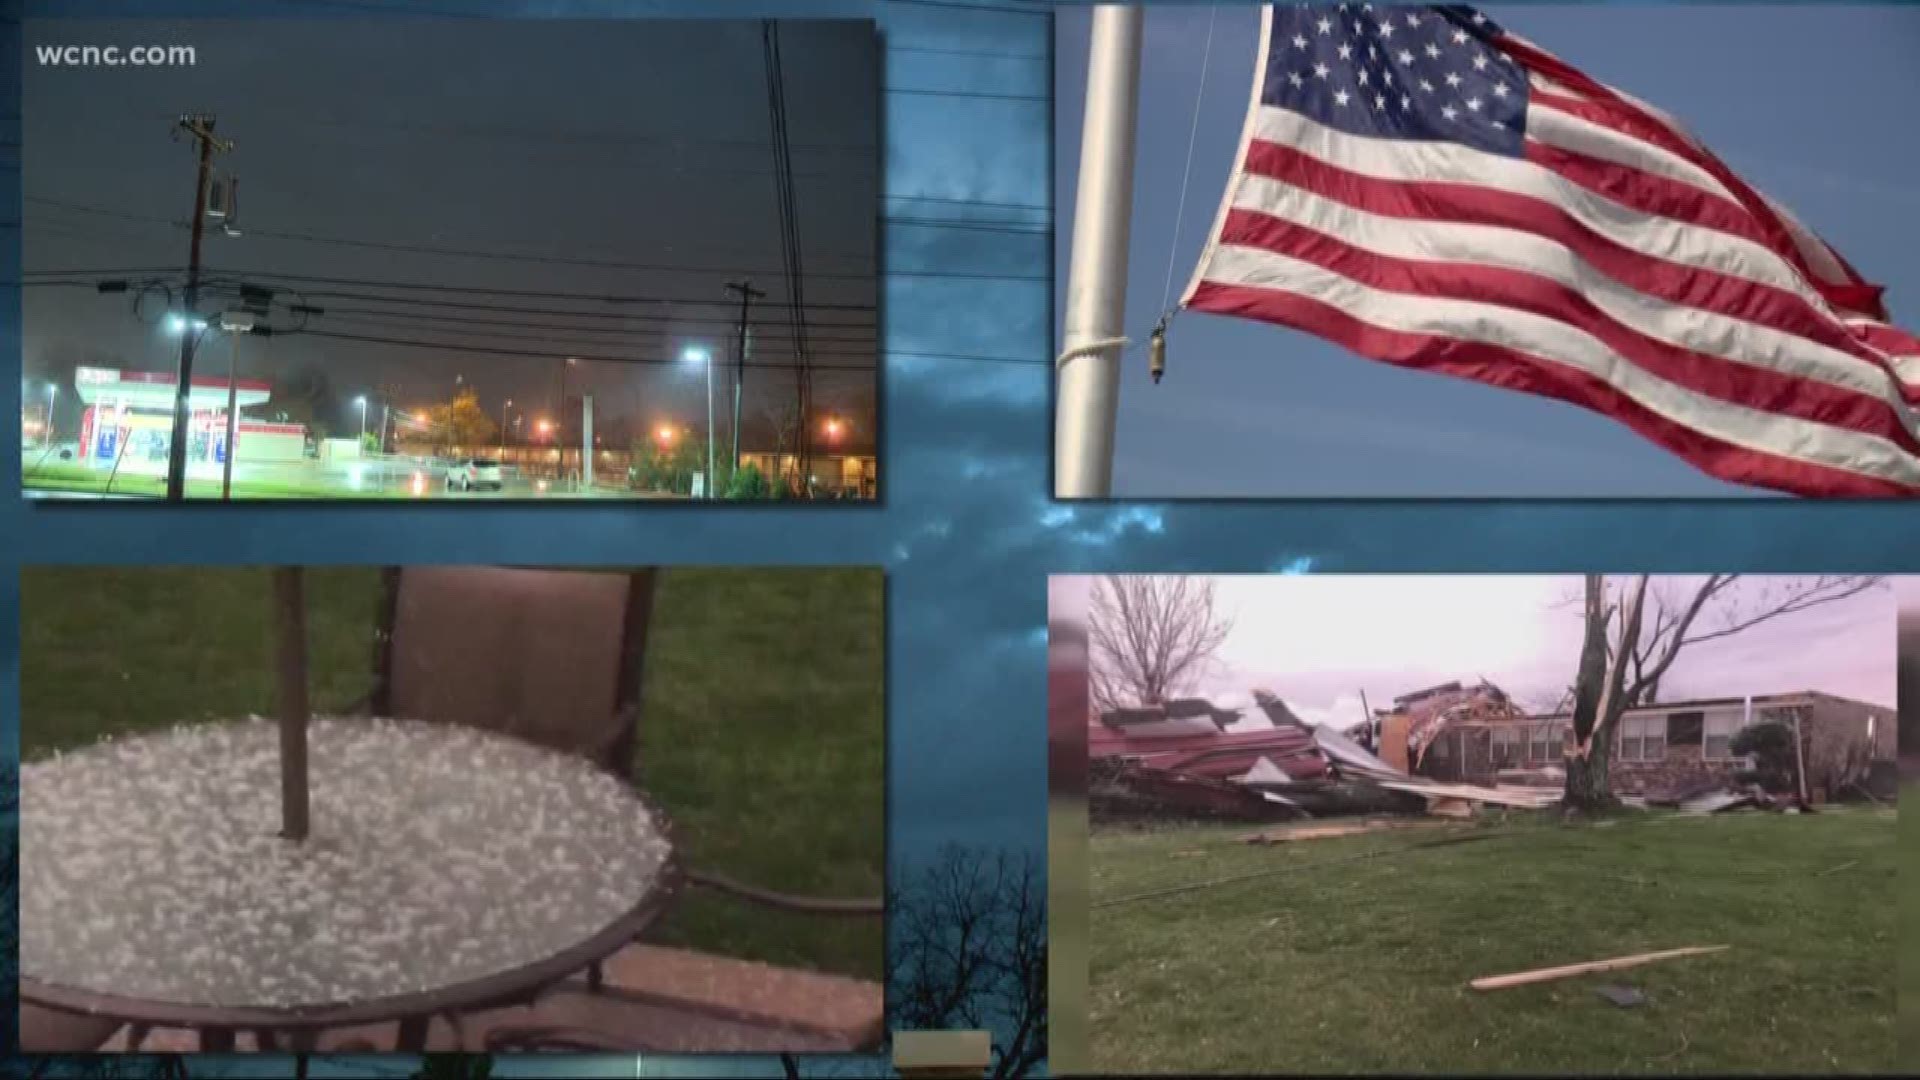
<point x="1632" y="640"/>
<point x="969" y="950"/>
<point x="1909" y="693"/>
<point x="1151" y="637"/>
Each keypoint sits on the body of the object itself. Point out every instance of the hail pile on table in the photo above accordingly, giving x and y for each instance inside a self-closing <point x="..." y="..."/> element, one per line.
<point x="438" y="854"/>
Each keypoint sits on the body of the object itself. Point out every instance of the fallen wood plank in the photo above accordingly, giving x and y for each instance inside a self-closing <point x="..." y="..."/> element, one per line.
<point x="1523" y="978"/>
<point x="1526" y="800"/>
<point x="1332" y="830"/>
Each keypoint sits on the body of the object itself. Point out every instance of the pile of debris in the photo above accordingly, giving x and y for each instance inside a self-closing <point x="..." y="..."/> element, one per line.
<point x="1429" y="713"/>
<point x="1713" y="797"/>
<point x="1206" y="758"/>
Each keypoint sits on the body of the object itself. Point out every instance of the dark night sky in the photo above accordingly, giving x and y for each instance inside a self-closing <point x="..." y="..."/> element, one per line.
<point x="626" y="142"/>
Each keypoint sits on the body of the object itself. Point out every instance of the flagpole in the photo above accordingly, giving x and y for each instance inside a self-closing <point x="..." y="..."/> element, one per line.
<point x="1088" y="372"/>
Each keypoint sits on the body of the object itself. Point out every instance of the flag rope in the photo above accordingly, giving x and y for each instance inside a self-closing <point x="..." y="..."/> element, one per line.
<point x="1193" y="137"/>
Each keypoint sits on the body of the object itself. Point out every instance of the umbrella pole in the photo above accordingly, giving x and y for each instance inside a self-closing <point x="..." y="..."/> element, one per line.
<point x="290" y="616"/>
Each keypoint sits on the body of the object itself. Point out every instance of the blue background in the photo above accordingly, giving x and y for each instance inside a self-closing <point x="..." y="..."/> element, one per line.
<point x="967" y="532"/>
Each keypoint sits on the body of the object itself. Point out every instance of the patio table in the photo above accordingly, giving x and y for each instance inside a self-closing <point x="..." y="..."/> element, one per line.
<point x="448" y="869"/>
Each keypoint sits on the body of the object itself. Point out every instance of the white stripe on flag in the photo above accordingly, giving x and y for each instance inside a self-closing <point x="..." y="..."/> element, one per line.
<point x="1549" y="125"/>
<point x="1654" y="237"/>
<point x="1512" y="249"/>
<point x="1557" y="342"/>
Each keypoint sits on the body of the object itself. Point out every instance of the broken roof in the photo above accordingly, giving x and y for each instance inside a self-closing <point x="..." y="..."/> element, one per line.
<point x="1220" y="712"/>
<point x="1794" y="697"/>
<point x="1432" y="710"/>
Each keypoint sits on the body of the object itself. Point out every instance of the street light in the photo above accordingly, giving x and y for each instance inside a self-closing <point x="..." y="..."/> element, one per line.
<point x="696" y="354"/>
<point x="362" y="402"/>
<point x="833" y="428"/>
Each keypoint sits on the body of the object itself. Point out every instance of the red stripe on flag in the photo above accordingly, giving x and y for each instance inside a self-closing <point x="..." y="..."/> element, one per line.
<point x="1513" y="370"/>
<point x="1609" y="109"/>
<point x="1728" y="380"/>
<point x="1687" y="286"/>
<point x="1653" y="194"/>
<point x="1888" y="339"/>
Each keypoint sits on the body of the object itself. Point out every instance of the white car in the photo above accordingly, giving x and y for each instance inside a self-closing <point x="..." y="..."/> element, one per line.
<point x="474" y="473"/>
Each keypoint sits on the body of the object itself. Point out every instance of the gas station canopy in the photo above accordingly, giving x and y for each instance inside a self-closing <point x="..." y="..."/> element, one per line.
<point x="154" y="389"/>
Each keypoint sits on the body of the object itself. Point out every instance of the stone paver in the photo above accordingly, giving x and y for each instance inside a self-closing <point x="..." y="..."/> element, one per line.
<point x="654" y="999"/>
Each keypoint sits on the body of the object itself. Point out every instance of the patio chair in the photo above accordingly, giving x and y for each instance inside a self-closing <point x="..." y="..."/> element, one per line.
<point x="550" y="656"/>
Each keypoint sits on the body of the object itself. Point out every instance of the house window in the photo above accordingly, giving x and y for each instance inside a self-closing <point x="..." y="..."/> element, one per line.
<point x="1643" y="738"/>
<point x="1507" y="745"/>
<point x="1721" y="728"/>
<point x="1545" y="744"/>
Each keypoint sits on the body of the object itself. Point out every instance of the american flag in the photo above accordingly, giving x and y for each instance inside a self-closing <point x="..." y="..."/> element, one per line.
<point x="1424" y="188"/>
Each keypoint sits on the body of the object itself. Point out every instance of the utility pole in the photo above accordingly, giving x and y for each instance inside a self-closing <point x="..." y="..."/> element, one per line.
<point x="560" y="416"/>
<point x="200" y="128"/>
<point x="748" y="294"/>
<point x="233" y="415"/>
<point x="1088" y="371"/>
<point x="586" y="442"/>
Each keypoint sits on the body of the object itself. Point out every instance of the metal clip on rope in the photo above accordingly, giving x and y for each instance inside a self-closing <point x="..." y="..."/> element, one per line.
<point x="1157" y="350"/>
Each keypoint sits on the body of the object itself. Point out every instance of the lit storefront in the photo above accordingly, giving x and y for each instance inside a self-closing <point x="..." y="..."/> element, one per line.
<point x="128" y="421"/>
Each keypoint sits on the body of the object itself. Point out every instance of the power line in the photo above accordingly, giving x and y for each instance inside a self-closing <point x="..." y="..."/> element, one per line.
<point x="557" y="334"/>
<point x="927" y="355"/>
<point x="866" y="330"/>
<point x="982" y="95"/>
<point x="1019" y="228"/>
<point x="1036" y="228"/>
<point x="594" y="138"/>
<point x="231" y="285"/>
<point x="983" y="54"/>
<point x="952" y="201"/>
<point x="530" y="355"/>
<point x="420" y="301"/>
<point x="481" y="290"/>
<point x="790" y="237"/>
<point x="470" y="253"/>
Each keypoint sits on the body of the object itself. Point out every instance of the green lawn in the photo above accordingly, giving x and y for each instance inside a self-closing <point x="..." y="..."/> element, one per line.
<point x="764" y="739"/>
<point x="88" y="480"/>
<point x="1362" y="965"/>
<point x="761" y="734"/>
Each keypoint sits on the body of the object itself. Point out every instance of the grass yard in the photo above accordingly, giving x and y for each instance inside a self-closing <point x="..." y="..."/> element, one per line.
<point x="82" y="479"/>
<point x="764" y="739"/>
<point x="1361" y="966"/>
<point x="762" y="729"/>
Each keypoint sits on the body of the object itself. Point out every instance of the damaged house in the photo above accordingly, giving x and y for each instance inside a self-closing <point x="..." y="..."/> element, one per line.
<point x="1258" y="761"/>
<point x="1442" y="732"/>
<point x="1672" y="746"/>
<point x="1180" y="756"/>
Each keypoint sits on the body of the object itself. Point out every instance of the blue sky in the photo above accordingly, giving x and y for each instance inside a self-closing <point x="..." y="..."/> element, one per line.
<point x="1802" y="100"/>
